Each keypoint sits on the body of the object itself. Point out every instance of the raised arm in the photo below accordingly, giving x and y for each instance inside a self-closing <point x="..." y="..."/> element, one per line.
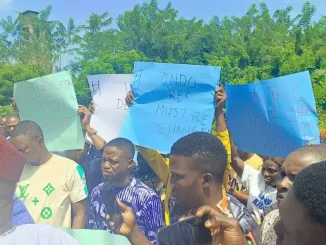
<point x="97" y="140"/>
<point x="236" y="162"/>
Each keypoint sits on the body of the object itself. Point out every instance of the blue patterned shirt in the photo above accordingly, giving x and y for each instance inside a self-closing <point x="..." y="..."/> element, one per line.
<point x="142" y="199"/>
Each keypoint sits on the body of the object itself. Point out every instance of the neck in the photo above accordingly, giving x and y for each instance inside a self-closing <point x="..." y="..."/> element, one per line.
<point x="6" y="217"/>
<point x="121" y="181"/>
<point x="212" y="196"/>
<point x="214" y="199"/>
<point x="45" y="156"/>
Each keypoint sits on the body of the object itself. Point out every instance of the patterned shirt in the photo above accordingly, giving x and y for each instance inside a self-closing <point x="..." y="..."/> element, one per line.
<point x="144" y="202"/>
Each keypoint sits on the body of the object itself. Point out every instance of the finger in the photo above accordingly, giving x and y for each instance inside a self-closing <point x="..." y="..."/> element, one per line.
<point x="219" y="89"/>
<point x="107" y="217"/>
<point x="204" y="210"/>
<point x="123" y="206"/>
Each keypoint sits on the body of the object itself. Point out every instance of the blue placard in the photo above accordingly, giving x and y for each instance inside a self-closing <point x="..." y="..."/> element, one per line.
<point x="273" y="117"/>
<point x="171" y="101"/>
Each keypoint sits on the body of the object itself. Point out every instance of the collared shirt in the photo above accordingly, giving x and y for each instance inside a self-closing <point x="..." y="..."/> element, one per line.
<point x="144" y="202"/>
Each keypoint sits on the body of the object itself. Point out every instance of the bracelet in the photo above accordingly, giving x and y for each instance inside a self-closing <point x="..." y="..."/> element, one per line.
<point x="92" y="133"/>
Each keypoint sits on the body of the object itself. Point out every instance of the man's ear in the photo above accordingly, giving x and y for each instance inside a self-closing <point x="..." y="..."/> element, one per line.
<point x="41" y="141"/>
<point x="131" y="164"/>
<point x="207" y="180"/>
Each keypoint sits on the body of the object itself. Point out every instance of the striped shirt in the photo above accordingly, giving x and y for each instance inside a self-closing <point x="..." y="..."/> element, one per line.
<point x="142" y="199"/>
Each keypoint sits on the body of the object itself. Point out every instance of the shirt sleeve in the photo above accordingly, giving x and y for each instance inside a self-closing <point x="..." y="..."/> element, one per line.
<point x="159" y="164"/>
<point x="248" y="175"/>
<point x="77" y="186"/>
<point x="20" y="215"/>
<point x="225" y="138"/>
<point x="152" y="212"/>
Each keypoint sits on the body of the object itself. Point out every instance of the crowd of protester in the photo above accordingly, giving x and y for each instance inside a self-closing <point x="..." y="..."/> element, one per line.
<point x="281" y="201"/>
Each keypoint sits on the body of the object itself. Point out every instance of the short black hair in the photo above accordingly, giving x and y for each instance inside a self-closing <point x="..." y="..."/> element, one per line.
<point x="124" y="145"/>
<point x="310" y="190"/>
<point x="28" y="128"/>
<point x="206" y="151"/>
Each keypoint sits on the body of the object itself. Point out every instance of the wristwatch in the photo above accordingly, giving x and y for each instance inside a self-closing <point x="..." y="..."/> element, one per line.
<point x="231" y="191"/>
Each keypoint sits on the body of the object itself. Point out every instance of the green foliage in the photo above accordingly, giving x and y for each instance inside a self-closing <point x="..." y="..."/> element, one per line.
<point x="6" y="111"/>
<point x="259" y="45"/>
<point x="11" y="73"/>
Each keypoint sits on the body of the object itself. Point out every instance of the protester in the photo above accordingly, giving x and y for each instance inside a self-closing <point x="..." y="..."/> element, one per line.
<point x="160" y="164"/>
<point x="303" y="210"/>
<point x="261" y="185"/>
<point x="11" y="123"/>
<point x="50" y="185"/>
<point x="91" y="156"/>
<point x="197" y="165"/>
<point x="117" y="165"/>
<point x="293" y="165"/>
<point x="11" y="166"/>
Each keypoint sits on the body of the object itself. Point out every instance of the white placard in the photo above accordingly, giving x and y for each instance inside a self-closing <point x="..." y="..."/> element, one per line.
<point x="109" y="92"/>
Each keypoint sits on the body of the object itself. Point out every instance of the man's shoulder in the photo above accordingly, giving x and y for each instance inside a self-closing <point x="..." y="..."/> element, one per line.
<point x="63" y="162"/>
<point x="242" y="214"/>
<point x="145" y="189"/>
<point x="97" y="191"/>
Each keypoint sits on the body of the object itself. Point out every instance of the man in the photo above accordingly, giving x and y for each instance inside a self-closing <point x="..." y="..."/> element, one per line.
<point x="303" y="210"/>
<point x="11" y="122"/>
<point x="117" y="164"/>
<point x="197" y="165"/>
<point x="11" y="166"/>
<point x="160" y="164"/>
<point x="293" y="165"/>
<point x="50" y="185"/>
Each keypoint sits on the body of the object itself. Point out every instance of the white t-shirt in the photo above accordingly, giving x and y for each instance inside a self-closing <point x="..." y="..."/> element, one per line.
<point x="49" y="190"/>
<point x="33" y="234"/>
<point x="261" y="196"/>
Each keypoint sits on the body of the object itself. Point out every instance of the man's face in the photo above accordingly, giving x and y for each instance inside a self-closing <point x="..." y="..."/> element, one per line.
<point x="30" y="147"/>
<point x="295" y="226"/>
<point x="2" y="121"/>
<point x="115" y="163"/>
<point x="185" y="182"/>
<point x="290" y="168"/>
<point x="11" y="123"/>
